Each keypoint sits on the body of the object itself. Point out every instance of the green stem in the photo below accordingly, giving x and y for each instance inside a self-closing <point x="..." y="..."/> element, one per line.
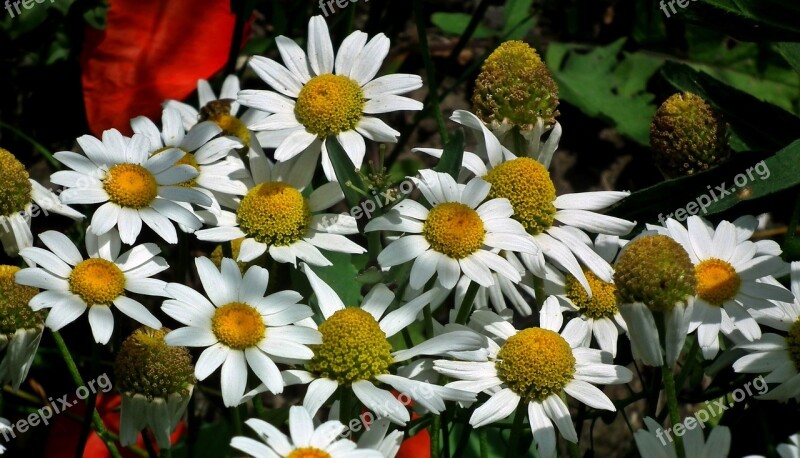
<point x="466" y="304"/>
<point x="345" y="404"/>
<point x="691" y="360"/>
<point x="374" y="247"/>
<point x="538" y="289"/>
<point x="36" y="145"/>
<point x="574" y="450"/>
<point x="99" y="427"/>
<point x="434" y="432"/>
<point x="474" y="22"/>
<point x="672" y="405"/>
<point x="433" y="94"/>
<point x="516" y="430"/>
<point x="86" y="425"/>
<point x="236" y="419"/>
<point x="484" y="442"/>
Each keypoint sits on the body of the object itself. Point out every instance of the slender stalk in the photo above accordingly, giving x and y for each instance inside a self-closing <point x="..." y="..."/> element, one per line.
<point x="516" y="429"/>
<point x="433" y="94"/>
<point x="474" y="22"/>
<point x="99" y="427"/>
<point x="466" y="304"/>
<point x="236" y="419"/>
<point x="36" y="145"/>
<point x="574" y="450"/>
<point x="538" y="288"/>
<point x="434" y="432"/>
<point x="672" y="405"/>
<point x="484" y="443"/>
<point x="345" y="404"/>
<point x="258" y="405"/>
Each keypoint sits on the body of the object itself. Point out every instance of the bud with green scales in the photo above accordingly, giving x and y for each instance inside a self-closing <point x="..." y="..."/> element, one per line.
<point x="20" y="327"/>
<point x="156" y="381"/>
<point x="688" y="136"/>
<point x="656" y="271"/>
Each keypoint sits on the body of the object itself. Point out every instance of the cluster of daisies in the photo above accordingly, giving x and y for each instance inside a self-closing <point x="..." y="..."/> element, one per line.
<point x="492" y="237"/>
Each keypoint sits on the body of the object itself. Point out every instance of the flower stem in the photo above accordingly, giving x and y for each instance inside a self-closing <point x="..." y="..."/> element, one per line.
<point x="435" y="429"/>
<point x="672" y="405"/>
<point x="345" y="404"/>
<point x="516" y="430"/>
<point x="433" y="94"/>
<point x="236" y="419"/>
<point x="574" y="450"/>
<point x="466" y="304"/>
<point x="99" y="427"/>
<point x="484" y="443"/>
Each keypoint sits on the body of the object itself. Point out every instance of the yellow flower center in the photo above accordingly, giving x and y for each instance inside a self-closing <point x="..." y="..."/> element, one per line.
<point x="219" y="112"/>
<point x="330" y="104"/>
<point x="353" y="348"/>
<point x="97" y="281"/>
<point x="274" y="213"/>
<point x="717" y="281"/>
<point x="602" y="304"/>
<point x="15" y="192"/>
<point x="14" y="298"/>
<point x="237" y="325"/>
<point x="536" y="363"/>
<point x="454" y="229"/>
<point x="130" y="185"/>
<point x="308" y="452"/>
<point x="793" y="343"/>
<point x="527" y="185"/>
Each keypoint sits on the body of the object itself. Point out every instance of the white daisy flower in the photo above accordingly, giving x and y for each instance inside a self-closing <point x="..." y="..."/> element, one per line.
<point x="728" y="268"/>
<point x="777" y="355"/>
<point x="72" y="284"/>
<point x="555" y="223"/>
<point x="274" y="216"/>
<point x="599" y="310"/>
<point x="378" y="437"/>
<point x="239" y="325"/>
<point x="220" y="170"/>
<point x="535" y="366"/>
<point x="319" y="94"/>
<point x="356" y="354"/>
<point x="304" y="439"/>
<point x="22" y="198"/>
<point x="132" y="185"/>
<point x="652" y="442"/>
<point x="456" y="233"/>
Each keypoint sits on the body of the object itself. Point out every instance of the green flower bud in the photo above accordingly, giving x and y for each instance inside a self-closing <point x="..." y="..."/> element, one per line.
<point x="146" y="365"/>
<point x="15" y="193"/>
<point x="14" y="310"/>
<point x="515" y="87"/>
<point x="654" y="270"/>
<point x="688" y="136"/>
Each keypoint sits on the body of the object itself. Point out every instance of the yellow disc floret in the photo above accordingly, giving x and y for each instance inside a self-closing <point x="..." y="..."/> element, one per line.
<point x="130" y="185"/>
<point x="454" y="229"/>
<point x="527" y="185"/>
<point x="793" y="343"/>
<point x="536" y="363"/>
<point x="717" y="281"/>
<point x="219" y="112"/>
<point x="15" y="191"/>
<point x="330" y="104"/>
<point x="602" y="304"/>
<point x="239" y="326"/>
<point x="353" y="348"/>
<point x="274" y="213"/>
<point x="97" y="281"/>
<point x="14" y="298"/>
<point x="308" y="452"/>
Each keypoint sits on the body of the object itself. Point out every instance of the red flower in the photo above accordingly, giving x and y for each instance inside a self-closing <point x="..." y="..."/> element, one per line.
<point x="151" y="50"/>
<point x="62" y="440"/>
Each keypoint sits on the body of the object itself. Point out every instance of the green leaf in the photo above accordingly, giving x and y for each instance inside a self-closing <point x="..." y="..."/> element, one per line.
<point x="452" y="156"/>
<point x="456" y="24"/>
<point x="340" y="276"/>
<point x="604" y="85"/>
<point x="517" y="21"/>
<point x="791" y="52"/>
<point x="748" y="20"/>
<point x="345" y="170"/>
<point x="745" y="113"/>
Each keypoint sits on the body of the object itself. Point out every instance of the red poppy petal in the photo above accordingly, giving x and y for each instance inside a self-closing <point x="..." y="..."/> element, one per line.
<point x="151" y="50"/>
